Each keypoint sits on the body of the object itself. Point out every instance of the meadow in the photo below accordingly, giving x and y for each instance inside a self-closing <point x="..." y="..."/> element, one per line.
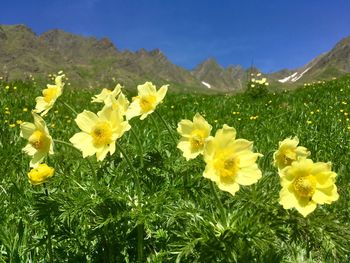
<point x="154" y="206"/>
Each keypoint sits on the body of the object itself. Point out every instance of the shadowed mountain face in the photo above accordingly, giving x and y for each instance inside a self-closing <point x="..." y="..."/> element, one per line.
<point x="90" y="62"/>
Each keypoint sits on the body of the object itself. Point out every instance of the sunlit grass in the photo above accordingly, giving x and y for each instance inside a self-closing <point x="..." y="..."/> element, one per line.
<point x="94" y="217"/>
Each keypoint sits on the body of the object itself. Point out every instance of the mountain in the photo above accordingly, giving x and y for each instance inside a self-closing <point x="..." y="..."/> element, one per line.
<point x="334" y="63"/>
<point x="88" y="61"/>
<point x="91" y="62"/>
<point x="214" y="76"/>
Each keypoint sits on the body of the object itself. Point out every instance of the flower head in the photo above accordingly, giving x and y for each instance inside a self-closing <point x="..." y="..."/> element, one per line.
<point x="119" y="104"/>
<point x="50" y="94"/>
<point x="147" y="100"/>
<point x="39" y="140"/>
<point x="288" y="152"/>
<point x="306" y="184"/>
<point x="194" y="136"/>
<point x="230" y="162"/>
<point x="99" y="132"/>
<point x="40" y="174"/>
<point x="105" y="93"/>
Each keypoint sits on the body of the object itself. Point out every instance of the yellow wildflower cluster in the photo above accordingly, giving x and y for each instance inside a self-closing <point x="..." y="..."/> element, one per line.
<point x="99" y="132"/>
<point x="304" y="183"/>
<point x="230" y="162"/>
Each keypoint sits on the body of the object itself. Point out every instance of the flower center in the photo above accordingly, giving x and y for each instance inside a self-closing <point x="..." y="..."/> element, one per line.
<point x="305" y="186"/>
<point x="147" y="103"/>
<point x="197" y="140"/>
<point x="37" y="140"/>
<point x="49" y="94"/>
<point x="227" y="167"/>
<point x="101" y="134"/>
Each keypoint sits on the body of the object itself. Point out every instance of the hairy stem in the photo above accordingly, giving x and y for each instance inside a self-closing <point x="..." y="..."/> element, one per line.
<point x="166" y="126"/>
<point x="219" y="203"/>
<point x="49" y="229"/>
<point x="69" y="107"/>
<point x="140" y="226"/>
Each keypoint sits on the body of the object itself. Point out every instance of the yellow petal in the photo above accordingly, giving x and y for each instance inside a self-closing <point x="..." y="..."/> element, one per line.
<point x="83" y="142"/>
<point x="161" y="93"/>
<point x="305" y="207"/>
<point x="27" y="129"/>
<point x="86" y="120"/>
<point x="248" y="175"/>
<point x="185" y="127"/>
<point x="231" y="188"/>
<point x="146" y="89"/>
<point x="134" y="109"/>
<point x="287" y="198"/>
<point x="326" y="195"/>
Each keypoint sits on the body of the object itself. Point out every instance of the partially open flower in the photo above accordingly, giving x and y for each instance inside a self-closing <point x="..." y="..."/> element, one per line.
<point x="50" y="95"/>
<point x="194" y="136"/>
<point x="40" y="142"/>
<point x="288" y="152"/>
<point x="40" y="174"/>
<point x="147" y="100"/>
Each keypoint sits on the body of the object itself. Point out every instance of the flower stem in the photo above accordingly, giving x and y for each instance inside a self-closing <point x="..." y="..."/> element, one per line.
<point x="166" y="126"/>
<point x="48" y="222"/>
<point x="72" y="146"/>
<point x="219" y="203"/>
<point x="69" y="107"/>
<point x="140" y="226"/>
<point x="140" y="146"/>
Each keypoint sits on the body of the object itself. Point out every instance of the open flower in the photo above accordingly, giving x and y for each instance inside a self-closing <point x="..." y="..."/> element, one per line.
<point x="288" y="152"/>
<point x="40" y="174"/>
<point x="147" y="100"/>
<point x="50" y="94"/>
<point x="39" y="140"/>
<point x="306" y="184"/>
<point x="194" y="136"/>
<point x="105" y="93"/>
<point x="99" y="132"/>
<point x="230" y="162"/>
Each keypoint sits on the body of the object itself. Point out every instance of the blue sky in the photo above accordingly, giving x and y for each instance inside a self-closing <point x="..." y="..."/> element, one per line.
<point x="273" y="34"/>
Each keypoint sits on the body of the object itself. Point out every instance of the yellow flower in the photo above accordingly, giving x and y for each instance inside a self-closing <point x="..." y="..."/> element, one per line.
<point x="40" y="174"/>
<point x="12" y="125"/>
<point x="19" y="122"/>
<point x="99" y="132"/>
<point x="147" y="100"/>
<point x="288" y="152"/>
<point x="194" y="136"/>
<point x="306" y="184"/>
<point x="39" y="140"/>
<point x="230" y="162"/>
<point x="25" y="109"/>
<point x="50" y="94"/>
<point x="120" y="104"/>
<point x="105" y="93"/>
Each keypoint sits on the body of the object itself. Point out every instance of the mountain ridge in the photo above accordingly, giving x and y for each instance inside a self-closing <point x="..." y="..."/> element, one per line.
<point x="92" y="62"/>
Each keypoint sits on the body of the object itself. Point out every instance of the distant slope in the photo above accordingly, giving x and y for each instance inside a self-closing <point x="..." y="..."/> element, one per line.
<point x="92" y="62"/>
<point x="334" y="63"/>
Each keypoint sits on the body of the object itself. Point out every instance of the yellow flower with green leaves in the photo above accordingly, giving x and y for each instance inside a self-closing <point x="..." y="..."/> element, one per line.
<point x="230" y="162"/>
<point x="306" y="184"/>
<point x="105" y="93"/>
<point x="40" y="143"/>
<point x="99" y="132"/>
<point x="288" y="152"/>
<point x="147" y="100"/>
<point x="40" y="174"/>
<point x="50" y="94"/>
<point x="194" y="136"/>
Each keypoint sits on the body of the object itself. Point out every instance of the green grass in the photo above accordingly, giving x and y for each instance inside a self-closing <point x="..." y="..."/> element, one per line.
<point x="94" y="218"/>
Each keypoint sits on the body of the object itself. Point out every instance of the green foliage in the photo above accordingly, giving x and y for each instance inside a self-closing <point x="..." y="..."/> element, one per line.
<point x="94" y="218"/>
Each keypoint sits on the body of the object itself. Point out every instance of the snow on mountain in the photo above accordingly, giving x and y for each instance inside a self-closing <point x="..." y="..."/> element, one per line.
<point x="206" y="84"/>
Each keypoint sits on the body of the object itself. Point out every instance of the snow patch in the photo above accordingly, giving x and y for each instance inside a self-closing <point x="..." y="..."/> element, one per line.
<point x="301" y="74"/>
<point x="206" y="84"/>
<point x="288" y="78"/>
<point x="294" y="77"/>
